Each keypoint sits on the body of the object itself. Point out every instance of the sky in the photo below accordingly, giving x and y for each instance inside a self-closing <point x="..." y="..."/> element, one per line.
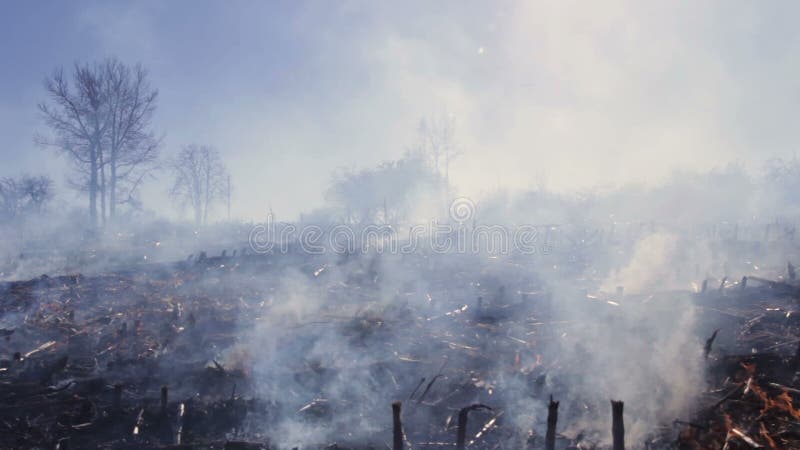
<point x="572" y="94"/>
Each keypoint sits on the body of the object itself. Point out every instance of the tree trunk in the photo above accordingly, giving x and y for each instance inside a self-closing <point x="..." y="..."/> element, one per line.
<point x="397" y="428"/>
<point x="112" y="194"/>
<point x="198" y="214"/>
<point x="207" y="194"/>
<point x="102" y="189"/>
<point x="552" y="420"/>
<point x="93" y="185"/>
<point x="617" y="425"/>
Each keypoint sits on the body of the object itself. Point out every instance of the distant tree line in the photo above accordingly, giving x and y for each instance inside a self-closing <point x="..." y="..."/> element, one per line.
<point x="200" y="180"/>
<point x="100" y="116"/>
<point x="389" y="192"/>
<point x="24" y="195"/>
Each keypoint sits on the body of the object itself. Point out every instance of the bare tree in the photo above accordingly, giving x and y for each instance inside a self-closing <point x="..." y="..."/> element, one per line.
<point x="9" y="198"/>
<point x="131" y="145"/>
<point x="101" y="120"/>
<point x="37" y="192"/>
<point x="76" y="116"/>
<point x="436" y="140"/>
<point x="436" y="143"/>
<point x="27" y="194"/>
<point x="386" y="192"/>
<point x="200" y="180"/>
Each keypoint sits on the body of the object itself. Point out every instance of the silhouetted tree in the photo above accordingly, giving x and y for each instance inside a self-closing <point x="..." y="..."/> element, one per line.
<point x="385" y="192"/>
<point x="101" y="119"/>
<point x="436" y="140"/>
<point x="76" y="115"/>
<point x="200" y="180"/>
<point x="130" y="143"/>
<point x="26" y="194"/>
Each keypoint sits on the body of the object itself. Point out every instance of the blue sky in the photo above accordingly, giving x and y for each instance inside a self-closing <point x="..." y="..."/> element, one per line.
<point x="580" y="93"/>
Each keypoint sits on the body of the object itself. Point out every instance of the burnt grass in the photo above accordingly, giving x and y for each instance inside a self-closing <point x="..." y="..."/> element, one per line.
<point x="133" y="359"/>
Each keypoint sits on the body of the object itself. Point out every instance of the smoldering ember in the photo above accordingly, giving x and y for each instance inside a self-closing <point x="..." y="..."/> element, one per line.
<point x="367" y="225"/>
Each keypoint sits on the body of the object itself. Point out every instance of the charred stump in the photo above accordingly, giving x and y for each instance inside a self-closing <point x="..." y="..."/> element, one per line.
<point x="709" y="343"/>
<point x="552" y="419"/>
<point x="617" y="425"/>
<point x="461" y="434"/>
<point x="164" y="400"/>
<point x="117" y="401"/>
<point x="397" y="428"/>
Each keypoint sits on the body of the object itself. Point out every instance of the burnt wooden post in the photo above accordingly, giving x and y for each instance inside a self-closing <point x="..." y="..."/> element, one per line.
<point x="461" y="436"/>
<point x="117" y="403"/>
<point x="164" y="398"/>
<point x="617" y="425"/>
<point x="552" y="419"/>
<point x="397" y="427"/>
<point x="709" y="343"/>
<point x="461" y="433"/>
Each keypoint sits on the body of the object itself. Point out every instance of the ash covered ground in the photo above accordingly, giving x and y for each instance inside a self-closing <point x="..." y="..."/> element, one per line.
<point x="292" y="350"/>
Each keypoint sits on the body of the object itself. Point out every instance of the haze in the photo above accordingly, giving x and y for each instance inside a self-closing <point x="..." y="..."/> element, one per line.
<point x="576" y="94"/>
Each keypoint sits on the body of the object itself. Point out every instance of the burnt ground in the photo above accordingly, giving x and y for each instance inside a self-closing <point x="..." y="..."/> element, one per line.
<point x="142" y="359"/>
